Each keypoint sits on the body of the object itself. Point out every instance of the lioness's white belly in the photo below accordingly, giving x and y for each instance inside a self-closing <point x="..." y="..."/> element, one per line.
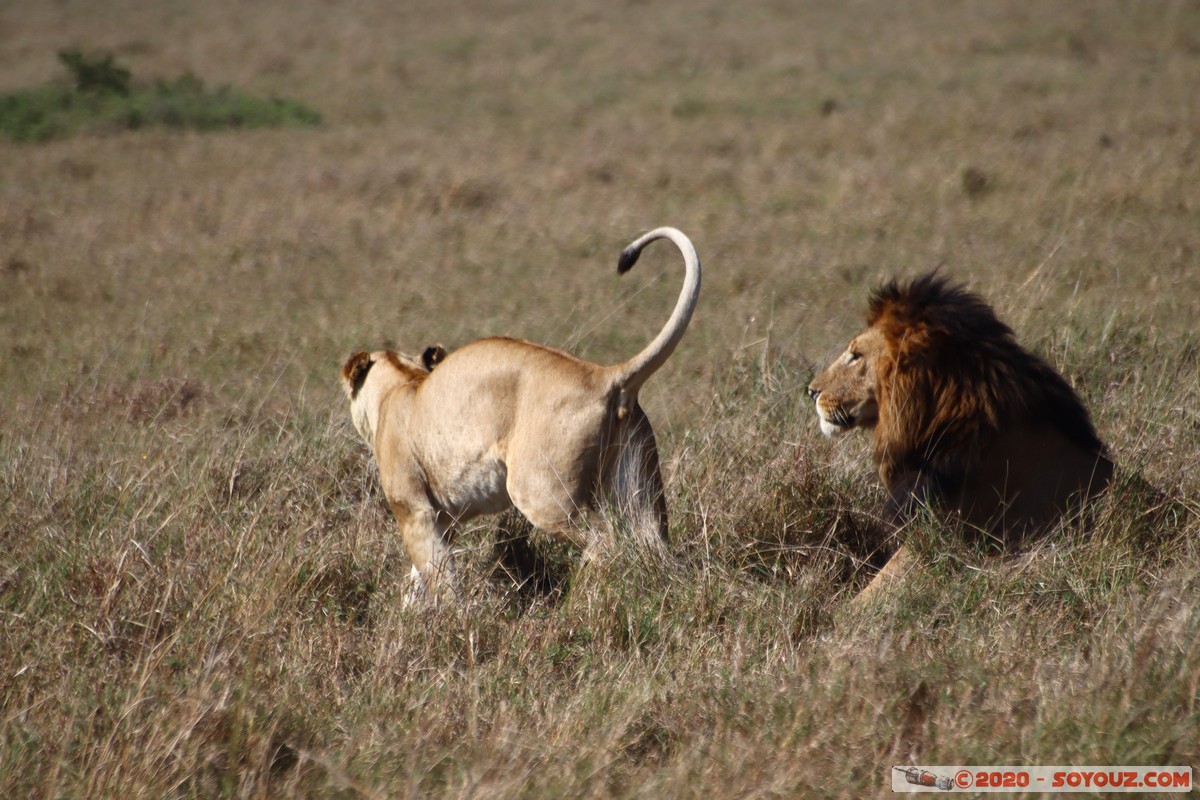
<point x="475" y="488"/>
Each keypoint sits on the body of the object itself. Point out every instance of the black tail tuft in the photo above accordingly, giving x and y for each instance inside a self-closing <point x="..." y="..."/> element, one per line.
<point x="629" y="257"/>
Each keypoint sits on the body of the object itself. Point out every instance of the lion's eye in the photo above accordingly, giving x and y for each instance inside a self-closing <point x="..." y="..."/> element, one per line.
<point x="852" y="356"/>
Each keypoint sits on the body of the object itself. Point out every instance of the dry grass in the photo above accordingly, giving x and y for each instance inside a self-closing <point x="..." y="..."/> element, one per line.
<point x="200" y="585"/>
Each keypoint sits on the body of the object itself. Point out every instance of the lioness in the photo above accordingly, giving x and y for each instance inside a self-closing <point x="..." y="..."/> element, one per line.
<point x="504" y="423"/>
<point x="964" y="418"/>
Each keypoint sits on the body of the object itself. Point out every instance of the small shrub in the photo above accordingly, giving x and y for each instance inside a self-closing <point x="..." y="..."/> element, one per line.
<point x="105" y="98"/>
<point x="96" y="74"/>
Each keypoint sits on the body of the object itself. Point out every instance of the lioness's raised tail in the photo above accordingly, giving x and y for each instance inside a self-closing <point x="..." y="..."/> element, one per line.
<point x="631" y="374"/>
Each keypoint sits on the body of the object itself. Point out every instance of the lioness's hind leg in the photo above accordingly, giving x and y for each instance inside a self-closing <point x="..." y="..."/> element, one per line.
<point x="553" y="502"/>
<point x="578" y="527"/>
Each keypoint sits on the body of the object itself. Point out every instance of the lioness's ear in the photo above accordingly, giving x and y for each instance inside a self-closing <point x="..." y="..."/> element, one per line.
<point x="433" y="356"/>
<point x="355" y="370"/>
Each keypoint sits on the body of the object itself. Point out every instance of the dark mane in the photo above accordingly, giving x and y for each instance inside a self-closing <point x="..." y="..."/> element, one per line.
<point x="957" y="314"/>
<point x="956" y="377"/>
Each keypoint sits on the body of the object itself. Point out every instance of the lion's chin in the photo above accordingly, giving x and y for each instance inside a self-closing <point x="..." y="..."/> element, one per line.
<point x="832" y="429"/>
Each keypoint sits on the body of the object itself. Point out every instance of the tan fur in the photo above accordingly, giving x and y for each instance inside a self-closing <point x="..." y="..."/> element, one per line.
<point x="964" y="419"/>
<point x="504" y="423"/>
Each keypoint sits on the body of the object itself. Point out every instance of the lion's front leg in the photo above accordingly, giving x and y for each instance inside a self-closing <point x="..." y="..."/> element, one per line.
<point x="902" y="562"/>
<point x="424" y="532"/>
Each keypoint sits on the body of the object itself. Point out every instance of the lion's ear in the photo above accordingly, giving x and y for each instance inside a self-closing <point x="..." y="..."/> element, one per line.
<point x="917" y="346"/>
<point x="355" y="370"/>
<point x="433" y="355"/>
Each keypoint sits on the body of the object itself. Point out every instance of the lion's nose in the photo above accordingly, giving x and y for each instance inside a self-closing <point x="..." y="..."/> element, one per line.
<point x="814" y="393"/>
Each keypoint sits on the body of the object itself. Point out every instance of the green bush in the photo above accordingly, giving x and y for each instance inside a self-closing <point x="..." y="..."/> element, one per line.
<point x="104" y="98"/>
<point x="96" y="74"/>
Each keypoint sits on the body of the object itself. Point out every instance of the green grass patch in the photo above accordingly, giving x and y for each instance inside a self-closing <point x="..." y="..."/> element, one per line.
<point x="103" y="98"/>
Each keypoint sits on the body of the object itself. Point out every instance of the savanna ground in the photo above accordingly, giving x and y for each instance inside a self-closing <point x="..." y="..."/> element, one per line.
<point x="200" y="585"/>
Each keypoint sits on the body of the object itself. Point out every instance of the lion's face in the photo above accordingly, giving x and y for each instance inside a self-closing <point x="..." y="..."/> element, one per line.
<point x="844" y="393"/>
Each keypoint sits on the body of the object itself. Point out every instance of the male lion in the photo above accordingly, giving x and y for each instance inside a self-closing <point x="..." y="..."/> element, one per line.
<point x="964" y="418"/>
<point x="503" y="423"/>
